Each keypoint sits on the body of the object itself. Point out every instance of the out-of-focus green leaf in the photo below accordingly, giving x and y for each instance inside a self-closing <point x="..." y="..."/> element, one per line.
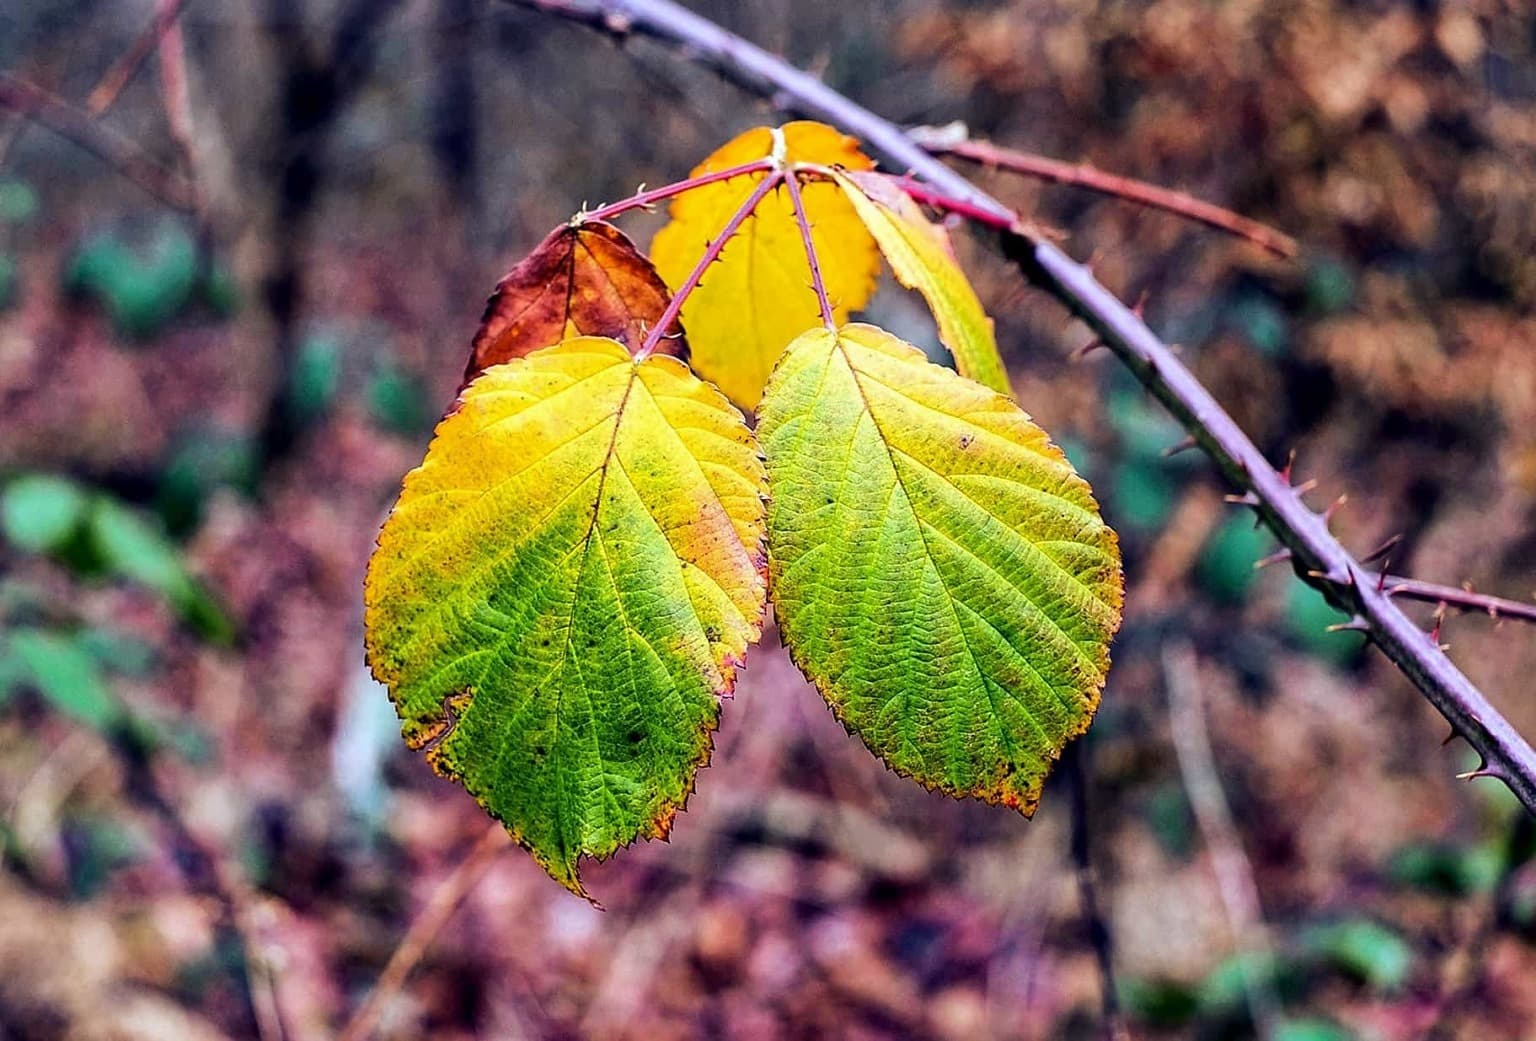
<point x="142" y="285"/>
<point x="314" y="379"/>
<point x="1141" y="495"/>
<point x="203" y="461"/>
<point x="98" y="847"/>
<point x="40" y="513"/>
<point x="1364" y="950"/>
<point x="1259" y="320"/>
<point x="397" y="402"/>
<point x="1308" y="616"/>
<point x="18" y="201"/>
<point x="10" y="283"/>
<point x="117" y="652"/>
<point x="1168" y="815"/>
<point x="66" y="675"/>
<point x="1443" y="868"/>
<point x="1310" y="1030"/>
<point x="1330" y="286"/>
<point x="1159" y="1003"/>
<point x="130" y="546"/>
<point x="1226" y="567"/>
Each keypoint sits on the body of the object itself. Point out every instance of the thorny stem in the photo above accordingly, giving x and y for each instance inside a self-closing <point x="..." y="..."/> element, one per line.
<point x="940" y="141"/>
<point x="1319" y="558"/>
<point x="711" y="254"/>
<point x="1452" y="596"/>
<point x="640" y="200"/>
<point x="817" y="283"/>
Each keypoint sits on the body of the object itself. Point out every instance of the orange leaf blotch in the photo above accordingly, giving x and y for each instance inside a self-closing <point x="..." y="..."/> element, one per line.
<point x="584" y="279"/>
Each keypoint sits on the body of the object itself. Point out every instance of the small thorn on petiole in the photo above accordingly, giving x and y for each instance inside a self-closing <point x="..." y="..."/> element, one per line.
<point x="1382" y="550"/>
<point x="1278" y="557"/>
<point x="1087" y="349"/>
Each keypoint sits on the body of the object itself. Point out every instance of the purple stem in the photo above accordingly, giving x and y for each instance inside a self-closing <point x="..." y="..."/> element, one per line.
<point x="711" y="254"/>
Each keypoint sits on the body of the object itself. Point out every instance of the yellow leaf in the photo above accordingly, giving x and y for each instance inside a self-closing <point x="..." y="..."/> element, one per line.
<point x="919" y="253"/>
<point x="566" y="589"/>
<point x="757" y="297"/>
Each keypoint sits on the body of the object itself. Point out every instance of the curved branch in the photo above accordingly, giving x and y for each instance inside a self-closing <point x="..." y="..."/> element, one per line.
<point x="76" y="124"/>
<point x="939" y="141"/>
<point x="1319" y="558"/>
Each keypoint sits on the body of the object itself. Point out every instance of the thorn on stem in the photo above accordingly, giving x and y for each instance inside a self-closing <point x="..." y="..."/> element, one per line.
<point x="1245" y="499"/>
<point x="1290" y="462"/>
<point x="1182" y="445"/>
<point x="1382" y="550"/>
<point x="1278" y="557"/>
<point x="1334" y="507"/>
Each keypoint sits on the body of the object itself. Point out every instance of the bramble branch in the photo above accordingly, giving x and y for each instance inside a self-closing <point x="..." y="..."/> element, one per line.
<point x="1318" y="557"/>
<point x="76" y="124"/>
<point x="944" y="141"/>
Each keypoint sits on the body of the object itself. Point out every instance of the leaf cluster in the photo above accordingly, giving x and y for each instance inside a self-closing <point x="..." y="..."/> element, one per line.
<point x="570" y="582"/>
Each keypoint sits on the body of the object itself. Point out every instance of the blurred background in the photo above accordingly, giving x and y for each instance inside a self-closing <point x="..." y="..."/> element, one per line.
<point x="230" y="322"/>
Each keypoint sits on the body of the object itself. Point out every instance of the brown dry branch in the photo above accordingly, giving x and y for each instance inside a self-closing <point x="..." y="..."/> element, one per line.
<point x="110" y="87"/>
<point x="1318" y="557"/>
<point x="418" y="939"/>
<point x="1234" y="872"/>
<point x="77" y="125"/>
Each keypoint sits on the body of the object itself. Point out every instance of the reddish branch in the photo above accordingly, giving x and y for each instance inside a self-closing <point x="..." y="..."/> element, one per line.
<point x="112" y="82"/>
<point x="76" y="124"/>
<point x="1454" y="596"/>
<point x="711" y="254"/>
<point x="938" y="141"/>
<point x="642" y="200"/>
<point x="1319" y="558"/>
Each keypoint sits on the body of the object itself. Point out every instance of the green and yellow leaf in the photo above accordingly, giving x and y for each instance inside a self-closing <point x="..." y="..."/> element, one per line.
<point x="757" y="297"/>
<point x="566" y="589"/>
<point x="584" y="279"/>
<point x="939" y="571"/>
<point x="920" y="254"/>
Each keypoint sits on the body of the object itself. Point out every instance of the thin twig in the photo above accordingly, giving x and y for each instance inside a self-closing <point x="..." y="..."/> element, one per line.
<point x="110" y="87"/>
<point x="418" y="939"/>
<point x="1234" y="873"/>
<point x="207" y="869"/>
<point x="1319" y="558"/>
<point x="1075" y="764"/>
<point x="75" y="124"/>
<point x="711" y="254"/>
<point x="1455" y="596"/>
<point x="943" y="141"/>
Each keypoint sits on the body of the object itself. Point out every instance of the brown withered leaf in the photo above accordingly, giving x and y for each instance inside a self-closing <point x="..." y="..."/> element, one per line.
<point x="584" y="279"/>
